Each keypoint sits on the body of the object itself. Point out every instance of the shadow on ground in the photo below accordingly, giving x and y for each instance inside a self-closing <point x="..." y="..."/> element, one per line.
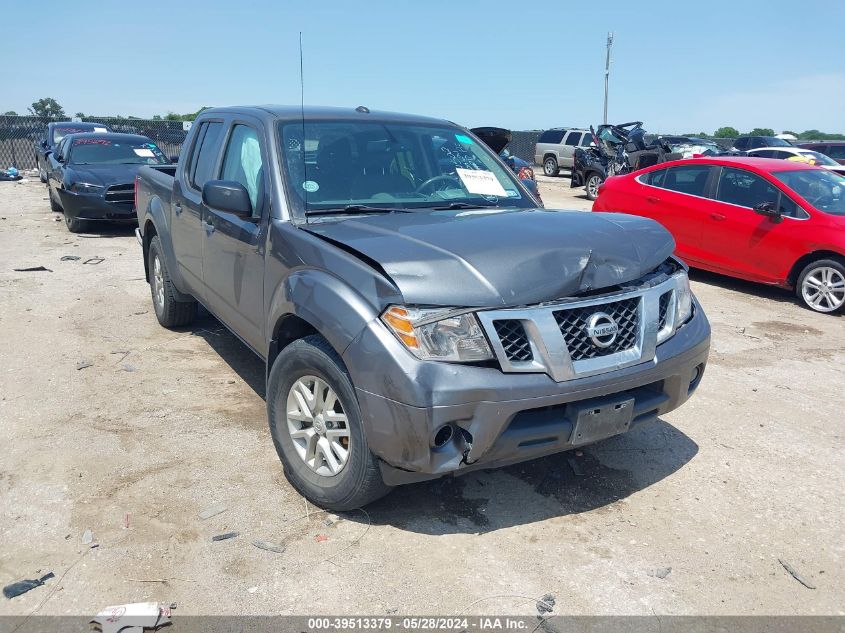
<point x="558" y="485"/>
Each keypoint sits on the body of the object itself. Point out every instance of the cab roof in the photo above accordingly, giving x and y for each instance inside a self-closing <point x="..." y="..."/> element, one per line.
<point x="767" y="165"/>
<point x="112" y="136"/>
<point x="324" y="113"/>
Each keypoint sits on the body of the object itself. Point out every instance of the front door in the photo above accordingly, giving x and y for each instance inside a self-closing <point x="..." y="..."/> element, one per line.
<point x="737" y="240"/>
<point x="233" y="251"/>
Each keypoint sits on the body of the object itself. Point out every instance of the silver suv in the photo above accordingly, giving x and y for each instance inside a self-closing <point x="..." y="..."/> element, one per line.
<point x="555" y="148"/>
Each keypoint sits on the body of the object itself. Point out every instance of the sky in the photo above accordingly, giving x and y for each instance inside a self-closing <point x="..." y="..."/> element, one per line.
<point x="679" y="66"/>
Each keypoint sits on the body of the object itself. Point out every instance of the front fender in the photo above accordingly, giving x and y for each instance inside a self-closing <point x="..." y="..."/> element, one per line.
<point x="337" y="311"/>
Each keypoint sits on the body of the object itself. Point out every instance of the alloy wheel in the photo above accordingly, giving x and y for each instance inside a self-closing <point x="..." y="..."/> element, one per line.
<point x="318" y="426"/>
<point x="158" y="283"/>
<point x="823" y="289"/>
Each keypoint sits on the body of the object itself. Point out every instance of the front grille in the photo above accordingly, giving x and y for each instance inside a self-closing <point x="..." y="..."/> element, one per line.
<point x="514" y="340"/>
<point x="121" y="193"/>
<point x="573" y="326"/>
<point x="663" y="314"/>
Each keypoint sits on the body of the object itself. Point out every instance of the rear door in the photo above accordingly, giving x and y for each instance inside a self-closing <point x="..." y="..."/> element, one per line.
<point x="567" y="151"/>
<point x="187" y="208"/>
<point x="677" y="197"/>
<point x="739" y="241"/>
<point x="233" y="251"/>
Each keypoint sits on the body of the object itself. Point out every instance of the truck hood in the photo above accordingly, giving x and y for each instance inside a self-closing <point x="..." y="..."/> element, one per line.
<point x="501" y="257"/>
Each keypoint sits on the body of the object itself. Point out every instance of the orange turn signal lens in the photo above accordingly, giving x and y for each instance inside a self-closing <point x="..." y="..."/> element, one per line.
<point x="397" y="319"/>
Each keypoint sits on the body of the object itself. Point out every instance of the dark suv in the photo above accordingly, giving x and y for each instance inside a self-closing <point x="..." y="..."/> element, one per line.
<point x="834" y="149"/>
<point x="745" y="143"/>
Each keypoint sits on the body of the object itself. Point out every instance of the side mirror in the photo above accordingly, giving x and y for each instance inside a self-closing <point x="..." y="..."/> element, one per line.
<point x="174" y="159"/>
<point x="770" y="210"/>
<point x="227" y="196"/>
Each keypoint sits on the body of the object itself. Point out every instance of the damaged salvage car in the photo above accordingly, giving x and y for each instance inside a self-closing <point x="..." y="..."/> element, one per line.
<point x="419" y="315"/>
<point x="617" y="149"/>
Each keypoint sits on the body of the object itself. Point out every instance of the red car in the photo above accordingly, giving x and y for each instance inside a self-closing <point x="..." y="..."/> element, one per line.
<point x="771" y="221"/>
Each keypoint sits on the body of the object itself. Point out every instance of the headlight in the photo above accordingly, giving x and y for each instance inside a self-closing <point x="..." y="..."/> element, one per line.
<point x="438" y="333"/>
<point x="683" y="298"/>
<point x="84" y="187"/>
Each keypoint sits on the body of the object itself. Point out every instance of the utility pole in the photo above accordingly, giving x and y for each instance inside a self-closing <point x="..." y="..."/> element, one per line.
<point x="607" y="73"/>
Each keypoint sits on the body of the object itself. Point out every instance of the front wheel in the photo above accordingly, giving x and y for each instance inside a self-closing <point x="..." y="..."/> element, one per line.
<point x="592" y="186"/>
<point x="315" y="423"/>
<point x="169" y="311"/>
<point x="75" y="225"/>
<point x="550" y="166"/>
<point x="821" y="285"/>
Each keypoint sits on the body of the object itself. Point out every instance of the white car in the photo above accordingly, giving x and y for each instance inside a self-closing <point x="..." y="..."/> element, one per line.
<point x="799" y="154"/>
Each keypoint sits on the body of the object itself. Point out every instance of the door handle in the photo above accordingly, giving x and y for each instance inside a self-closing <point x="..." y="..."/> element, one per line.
<point x="177" y="208"/>
<point x="209" y="227"/>
<point x="652" y="199"/>
<point x="717" y="216"/>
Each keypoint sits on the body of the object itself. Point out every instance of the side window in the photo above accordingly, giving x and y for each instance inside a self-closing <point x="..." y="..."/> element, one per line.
<point x="61" y="148"/>
<point x="836" y="151"/>
<point x="741" y="144"/>
<point x="767" y="153"/>
<point x="689" y="179"/>
<point x="588" y="138"/>
<point x="780" y="154"/>
<point x="789" y="208"/>
<point x="573" y="138"/>
<point x="740" y="187"/>
<point x="654" y="178"/>
<point x="242" y="163"/>
<point x="551" y="136"/>
<point x="205" y="154"/>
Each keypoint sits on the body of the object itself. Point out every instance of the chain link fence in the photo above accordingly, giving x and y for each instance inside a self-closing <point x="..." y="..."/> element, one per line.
<point x="19" y="135"/>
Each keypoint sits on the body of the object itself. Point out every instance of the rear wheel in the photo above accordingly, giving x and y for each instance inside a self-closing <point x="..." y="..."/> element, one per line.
<point x="42" y="173"/>
<point x="170" y="312"/>
<point x="821" y="285"/>
<point x="315" y="423"/>
<point x="591" y="186"/>
<point x="550" y="166"/>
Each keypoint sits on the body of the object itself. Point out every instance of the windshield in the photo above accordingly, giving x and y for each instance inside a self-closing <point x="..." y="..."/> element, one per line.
<point x="824" y="189"/>
<point x="332" y="165"/>
<point x="106" y="151"/>
<point x="60" y="132"/>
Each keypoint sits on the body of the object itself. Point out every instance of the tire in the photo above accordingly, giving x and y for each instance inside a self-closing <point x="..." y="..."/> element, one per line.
<point x="821" y="285"/>
<point x="75" y="225"/>
<point x="358" y="481"/>
<point x="591" y="185"/>
<point x="54" y="206"/>
<point x="42" y="174"/>
<point x="550" y="166"/>
<point x="170" y="312"/>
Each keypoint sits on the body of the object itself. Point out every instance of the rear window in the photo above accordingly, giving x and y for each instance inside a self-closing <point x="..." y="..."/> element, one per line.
<point x="689" y="179"/>
<point x="551" y="136"/>
<point x="836" y="151"/>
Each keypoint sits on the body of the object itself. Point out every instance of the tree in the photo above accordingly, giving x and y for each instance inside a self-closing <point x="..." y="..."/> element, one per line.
<point x="726" y="132"/>
<point x="795" y="134"/>
<point x="10" y="113"/>
<point x="80" y="115"/>
<point x="47" y="108"/>
<point x="762" y="131"/>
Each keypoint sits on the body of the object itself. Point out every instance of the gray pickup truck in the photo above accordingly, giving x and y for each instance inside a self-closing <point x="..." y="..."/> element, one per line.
<point x="419" y="314"/>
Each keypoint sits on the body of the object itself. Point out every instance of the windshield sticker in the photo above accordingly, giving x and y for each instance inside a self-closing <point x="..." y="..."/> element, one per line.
<point x="484" y="183"/>
<point x="144" y="152"/>
<point x="310" y="186"/>
<point x="461" y="138"/>
<point x="100" y="129"/>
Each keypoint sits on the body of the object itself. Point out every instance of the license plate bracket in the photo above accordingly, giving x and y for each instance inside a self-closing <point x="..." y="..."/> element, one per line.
<point x="599" y="420"/>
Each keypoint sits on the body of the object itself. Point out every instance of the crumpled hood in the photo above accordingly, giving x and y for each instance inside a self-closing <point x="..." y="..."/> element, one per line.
<point x="104" y="175"/>
<point x="502" y="257"/>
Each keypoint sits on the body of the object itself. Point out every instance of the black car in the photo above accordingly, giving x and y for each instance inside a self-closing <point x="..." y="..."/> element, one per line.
<point x="745" y="143"/>
<point x="55" y="133"/>
<point x="92" y="176"/>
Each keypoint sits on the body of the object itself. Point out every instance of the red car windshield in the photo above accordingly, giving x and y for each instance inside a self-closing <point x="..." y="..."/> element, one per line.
<point x="824" y="189"/>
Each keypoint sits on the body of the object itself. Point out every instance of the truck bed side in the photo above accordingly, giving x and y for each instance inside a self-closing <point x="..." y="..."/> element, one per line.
<point x="153" y="193"/>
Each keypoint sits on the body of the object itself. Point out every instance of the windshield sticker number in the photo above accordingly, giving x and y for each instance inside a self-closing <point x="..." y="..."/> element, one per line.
<point x="100" y="129"/>
<point x="462" y="138"/>
<point x="483" y="183"/>
<point x="310" y="186"/>
<point x="144" y="152"/>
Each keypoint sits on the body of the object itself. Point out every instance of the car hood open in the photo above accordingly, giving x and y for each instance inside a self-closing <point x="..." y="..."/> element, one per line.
<point x="501" y="257"/>
<point x="496" y="138"/>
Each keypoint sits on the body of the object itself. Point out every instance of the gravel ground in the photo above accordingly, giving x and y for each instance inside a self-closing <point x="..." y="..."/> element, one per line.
<point x="686" y="516"/>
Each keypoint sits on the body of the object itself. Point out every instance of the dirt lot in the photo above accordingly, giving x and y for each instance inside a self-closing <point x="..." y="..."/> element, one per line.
<point x="164" y="424"/>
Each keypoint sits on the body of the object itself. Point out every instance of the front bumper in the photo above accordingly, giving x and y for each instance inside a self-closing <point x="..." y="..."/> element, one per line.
<point x="87" y="206"/>
<point x="501" y="418"/>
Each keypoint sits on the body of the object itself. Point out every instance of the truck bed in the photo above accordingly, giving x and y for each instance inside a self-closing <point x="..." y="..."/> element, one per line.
<point x="154" y="181"/>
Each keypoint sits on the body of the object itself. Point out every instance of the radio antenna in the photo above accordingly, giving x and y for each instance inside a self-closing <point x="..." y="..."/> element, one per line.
<point x="302" y="116"/>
